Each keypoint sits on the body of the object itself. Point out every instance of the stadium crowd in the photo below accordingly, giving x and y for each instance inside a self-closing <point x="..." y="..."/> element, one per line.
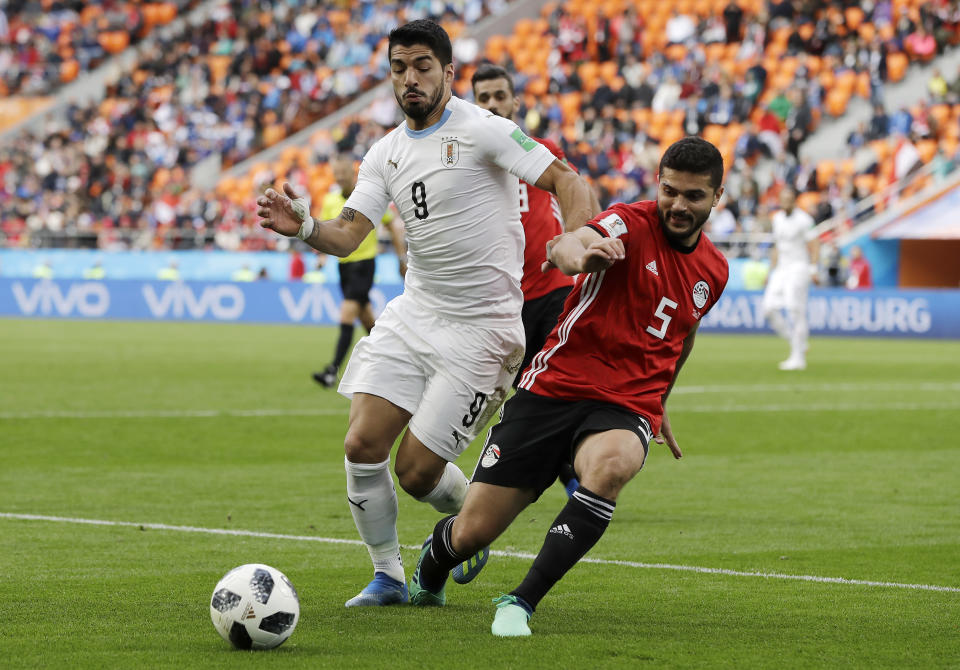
<point x="610" y="84"/>
<point x="236" y="82"/>
<point x="46" y="43"/>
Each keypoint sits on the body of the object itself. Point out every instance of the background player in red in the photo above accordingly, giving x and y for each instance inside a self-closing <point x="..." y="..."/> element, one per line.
<point x="596" y="391"/>
<point x="543" y="292"/>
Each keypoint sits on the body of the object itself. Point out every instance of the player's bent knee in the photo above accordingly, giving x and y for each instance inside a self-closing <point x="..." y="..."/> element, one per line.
<point x="362" y="450"/>
<point x="417" y="479"/>
<point x="609" y="473"/>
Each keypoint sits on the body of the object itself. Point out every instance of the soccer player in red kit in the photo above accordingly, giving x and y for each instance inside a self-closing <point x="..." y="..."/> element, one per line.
<point x="596" y="391"/>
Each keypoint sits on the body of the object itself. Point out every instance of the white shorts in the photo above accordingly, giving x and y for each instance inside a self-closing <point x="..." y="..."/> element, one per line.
<point x="787" y="288"/>
<point x="451" y="376"/>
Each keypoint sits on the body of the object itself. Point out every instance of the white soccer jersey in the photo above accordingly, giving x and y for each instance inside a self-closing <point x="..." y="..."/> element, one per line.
<point x="456" y="186"/>
<point x="790" y="235"/>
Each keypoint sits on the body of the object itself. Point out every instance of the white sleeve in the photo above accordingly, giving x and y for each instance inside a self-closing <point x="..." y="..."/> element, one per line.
<point x="370" y="196"/>
<point x="503" y="143"/>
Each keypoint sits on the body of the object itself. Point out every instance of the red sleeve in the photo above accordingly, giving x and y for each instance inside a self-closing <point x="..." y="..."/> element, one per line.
<point x="611" y="223"/>
<point x="556" y="151"/>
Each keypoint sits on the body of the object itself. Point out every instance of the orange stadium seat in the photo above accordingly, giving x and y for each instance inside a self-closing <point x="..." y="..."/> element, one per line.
<point x="863" y="85"/>
<point x="853" y="17"/>
<point x="69" y="70"/>
<point x="927" y="149"/>
<point x="826" y="171"/>
<point x="714" y="134"/>
<point x="941" y="115"/>
<point x="881" y="149"/>
<point x="836" y="101"/>
<point x="897" y="63"/>
<point x="808" y="201"/>
<point x="865" y="184"/>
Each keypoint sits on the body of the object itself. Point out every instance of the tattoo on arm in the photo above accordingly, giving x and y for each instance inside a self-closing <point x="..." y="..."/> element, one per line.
<point x="348" y="214"/>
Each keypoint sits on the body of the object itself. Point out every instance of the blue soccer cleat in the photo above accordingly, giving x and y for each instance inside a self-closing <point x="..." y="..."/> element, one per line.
<point x="470" y="568"/>
<point x="568" y="477"/>
<point x="383" y="590"/>
<point x="420" y="596"/>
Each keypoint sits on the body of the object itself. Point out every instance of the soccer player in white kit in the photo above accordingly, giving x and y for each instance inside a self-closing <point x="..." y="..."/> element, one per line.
<point x="793" y="267"/>
<point x="441" y="358"/>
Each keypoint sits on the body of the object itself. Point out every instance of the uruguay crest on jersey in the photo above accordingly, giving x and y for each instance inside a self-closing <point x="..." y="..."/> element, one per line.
<point x="449" y="151"/>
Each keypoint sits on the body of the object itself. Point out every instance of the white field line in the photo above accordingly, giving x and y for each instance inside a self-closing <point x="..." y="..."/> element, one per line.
<point x="170" y="413"/>
<point x="506" y="554"/>
<point x="826" y="387"/>
<point x="678" y="407"/>
<point x="899" y="387"/>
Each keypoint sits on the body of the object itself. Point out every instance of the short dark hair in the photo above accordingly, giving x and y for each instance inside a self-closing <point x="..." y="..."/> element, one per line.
<point x="488" y="71"/>
<point x="425" y="32"/>
<point x="696" y="155"/>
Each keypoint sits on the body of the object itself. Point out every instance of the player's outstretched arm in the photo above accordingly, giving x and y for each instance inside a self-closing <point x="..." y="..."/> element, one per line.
<point x="289" y="214"/>
<point x="583" y="250"/>
<point x="578" y="202"/>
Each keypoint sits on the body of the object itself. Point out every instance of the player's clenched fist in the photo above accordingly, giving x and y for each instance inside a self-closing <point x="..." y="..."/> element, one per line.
<point x="283" y="213"/>
<point x="602" y="254"/>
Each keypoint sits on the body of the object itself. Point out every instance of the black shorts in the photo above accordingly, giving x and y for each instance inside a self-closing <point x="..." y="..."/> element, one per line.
<point x="539" y="318"/>
<point x="537" y="434"/>
<point x="356" y="279"/>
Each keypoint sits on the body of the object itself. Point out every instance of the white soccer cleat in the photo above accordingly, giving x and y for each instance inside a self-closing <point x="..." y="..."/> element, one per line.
<point x="793" y="364"/>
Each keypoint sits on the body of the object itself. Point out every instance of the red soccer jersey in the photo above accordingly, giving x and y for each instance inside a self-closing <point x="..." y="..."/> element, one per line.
<point x="540" y="216"/>
<point x="622" y="330"/>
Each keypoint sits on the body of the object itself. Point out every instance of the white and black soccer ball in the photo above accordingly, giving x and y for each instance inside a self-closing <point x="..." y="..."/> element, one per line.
<point x="255" y="606"/>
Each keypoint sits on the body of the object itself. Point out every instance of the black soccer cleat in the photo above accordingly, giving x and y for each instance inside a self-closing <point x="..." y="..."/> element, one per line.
<point x="327" y="378"/>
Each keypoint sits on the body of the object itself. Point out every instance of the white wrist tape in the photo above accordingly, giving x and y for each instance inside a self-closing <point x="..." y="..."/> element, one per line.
<point x="306" y="228"/>
<point x="302" y="207"/>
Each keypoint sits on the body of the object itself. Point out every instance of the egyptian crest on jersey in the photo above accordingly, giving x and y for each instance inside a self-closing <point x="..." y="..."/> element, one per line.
<point x="490" y="456"/>
<point x="701" y="293"/>
<point x="449" y="151"/>
<point x="613" y="224"/>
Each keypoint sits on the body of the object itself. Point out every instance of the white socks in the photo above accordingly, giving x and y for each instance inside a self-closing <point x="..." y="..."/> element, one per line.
<point x="373" y="502"/>
<point x="450" y="492"/>
<point x="778" y="323"/>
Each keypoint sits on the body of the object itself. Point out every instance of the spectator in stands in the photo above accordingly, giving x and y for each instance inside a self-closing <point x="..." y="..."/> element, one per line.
<point x="942" y="165"/>
<point x="296" y="269"/>
<point x="879" y="124"/>
<point x="856" y="137"/>
<point x="906" y="158"/>
<point x="901" y="122"/>
<point x="680" y="28"/>
<point x="733" y="19"/>
<point x="921" y="44"/>
<point x="667" y="95"/>
<point x="858" y="273"/>
<point x="937" y="86"/>
<point x="831" y="265"/>
<point x="798" y="122"/>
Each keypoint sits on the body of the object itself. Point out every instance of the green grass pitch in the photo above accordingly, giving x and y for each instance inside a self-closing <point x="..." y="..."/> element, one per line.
<point x="850" y="469"/>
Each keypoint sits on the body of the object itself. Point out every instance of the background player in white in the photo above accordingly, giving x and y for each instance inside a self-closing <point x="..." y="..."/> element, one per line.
<point x="441" y="357"/>
<point x="793" y="267"/>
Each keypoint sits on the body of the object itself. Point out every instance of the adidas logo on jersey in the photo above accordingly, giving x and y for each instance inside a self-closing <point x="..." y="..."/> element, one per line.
<point x="652" y="266"/>
<point x="562" y="529"/>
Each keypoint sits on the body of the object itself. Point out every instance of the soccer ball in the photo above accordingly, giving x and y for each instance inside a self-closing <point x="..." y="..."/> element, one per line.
<point x="255" y="607"/>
